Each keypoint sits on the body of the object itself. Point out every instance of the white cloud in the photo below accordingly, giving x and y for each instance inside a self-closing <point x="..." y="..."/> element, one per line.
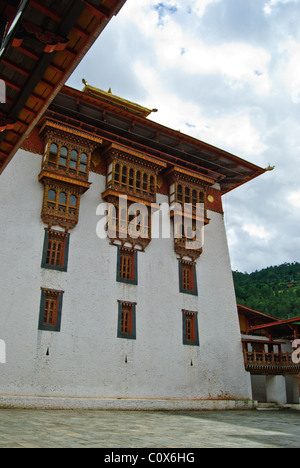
<point x="294" y="199"/>
<point x="176" y="47"/>
<point x="259" y="232"/>
<point x="292" y="70"/>
<point x="239" y="63"/>
<point x="233" y="131"/>
<point x="271" y="4"/>
<point x="201" y="5"/>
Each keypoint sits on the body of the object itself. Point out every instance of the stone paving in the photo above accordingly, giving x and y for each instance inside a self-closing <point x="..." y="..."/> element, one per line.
<point x="124" y="429"/>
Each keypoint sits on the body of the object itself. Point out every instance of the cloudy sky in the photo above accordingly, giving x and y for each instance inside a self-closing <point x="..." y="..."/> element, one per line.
<point x="228" y="73"/>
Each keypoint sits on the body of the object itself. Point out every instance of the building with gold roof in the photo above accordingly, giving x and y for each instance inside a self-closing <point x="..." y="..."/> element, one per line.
<point x="111" y="298"/>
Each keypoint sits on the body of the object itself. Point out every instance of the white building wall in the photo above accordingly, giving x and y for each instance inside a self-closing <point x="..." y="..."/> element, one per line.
<point x="86" y="359"/>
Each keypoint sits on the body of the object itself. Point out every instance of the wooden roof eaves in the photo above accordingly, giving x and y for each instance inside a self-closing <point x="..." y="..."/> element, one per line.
<point x="274" y="324"/>
<point x="242" y="308"/>
<point x="159" y="129"/>
<point x="159" y="154"/>
<point x="33" y="121"/>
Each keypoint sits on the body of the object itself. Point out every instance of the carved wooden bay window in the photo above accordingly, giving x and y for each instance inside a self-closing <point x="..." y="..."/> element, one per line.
<point x="189" y="189"/>
<point x="188" y="203"/>
<point x="132" y="173"/>
<point x="128" y="223"/>
<point x="61" y="204"/>
<point x="131" y="180"/>
<point x="65" y="172"/>
<point x="67" y="158"/>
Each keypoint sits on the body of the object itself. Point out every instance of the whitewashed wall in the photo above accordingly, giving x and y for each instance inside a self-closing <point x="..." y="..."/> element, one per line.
<point x="86" y="359"/>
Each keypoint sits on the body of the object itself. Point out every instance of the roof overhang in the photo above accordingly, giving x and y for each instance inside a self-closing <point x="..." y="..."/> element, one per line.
<point x="251" y="313"/>
<point x="116" y="121"/>
<point x="44" y="41"/>
<point x="278" y="323"/>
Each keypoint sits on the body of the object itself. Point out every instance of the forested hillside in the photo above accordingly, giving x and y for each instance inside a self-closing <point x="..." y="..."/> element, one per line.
<point x="274" y="290"/>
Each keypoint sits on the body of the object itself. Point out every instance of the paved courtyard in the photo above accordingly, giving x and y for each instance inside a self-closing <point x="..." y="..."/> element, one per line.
<point x="121" y="429"/>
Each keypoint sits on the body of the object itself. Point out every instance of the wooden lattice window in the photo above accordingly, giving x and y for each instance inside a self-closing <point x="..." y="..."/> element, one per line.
<point x="117" y="174"/>
<point x="187" y="277"/>
<point x="127" y="266"/>
<point x="72" y="159"/>
<point x="53" y="153"/>
<point x="127" y="320"/>
<point x="185" y="194"/>
<point x="131" y="179"/>
<point x="61" y="202"/>
<point x="56" y="250"/>
<point x="50" y="310"/>
<point x="63" y="160"/>
<point x="190" y="328"/>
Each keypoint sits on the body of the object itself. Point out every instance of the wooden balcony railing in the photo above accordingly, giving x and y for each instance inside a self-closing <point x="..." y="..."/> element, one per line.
<point x="270" y="363"/>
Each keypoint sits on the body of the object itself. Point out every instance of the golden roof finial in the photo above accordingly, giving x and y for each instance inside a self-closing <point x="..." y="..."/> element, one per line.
<point x="270" y="168"/>
<point x="128" y="105"/>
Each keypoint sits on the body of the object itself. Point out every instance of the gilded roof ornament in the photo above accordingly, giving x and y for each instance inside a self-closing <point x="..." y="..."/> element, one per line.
<point x="110" y="97"/>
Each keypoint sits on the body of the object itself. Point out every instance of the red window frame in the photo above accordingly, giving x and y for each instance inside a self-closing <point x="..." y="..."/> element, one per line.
<point x="50" y="310"/>
<point x="188" y="276"/>
<point x="190" y="328"/>
<point x="126" y="319"/>
<point x="127" y="264"/>
<point x="55" y="250"/>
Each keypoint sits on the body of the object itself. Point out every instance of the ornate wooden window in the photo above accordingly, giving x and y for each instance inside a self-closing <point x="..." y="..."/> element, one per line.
<point x="117" y="174"/>
<point x="182" y="193"/>
<point x="132" y="180"/>
<point x="83" y="163"/>
<point x="190" y="328"/>
<point x="187" y="197"/>
<point x="128" y="223"/>
<point x="68" y="157"/>
<point x="127" y="320"/>
<point x="188" y="277"/>
<point x="53" y="153"/>
<point x="73" y="160"/>
<point x="188" y="238"/>
<point x="61" y="205"/>
<point x="56" y="250"/>
<point x="127" y="266"/>
<point x="50" y="310"/>
<point x="65" y="172"/>
<point x="132" y="173"/>
<point x="63" y="157"/>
